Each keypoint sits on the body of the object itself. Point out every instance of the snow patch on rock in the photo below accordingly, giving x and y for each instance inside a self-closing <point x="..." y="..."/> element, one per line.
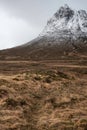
<point x="66" y="23"/>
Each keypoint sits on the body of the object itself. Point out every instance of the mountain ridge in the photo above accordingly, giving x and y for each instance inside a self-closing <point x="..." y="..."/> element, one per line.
<point x="66" y="19"/>
<point x="64" y="36"/>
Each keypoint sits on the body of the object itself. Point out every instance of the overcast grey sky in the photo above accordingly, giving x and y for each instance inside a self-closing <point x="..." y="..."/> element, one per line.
<point x="23" y="20"/>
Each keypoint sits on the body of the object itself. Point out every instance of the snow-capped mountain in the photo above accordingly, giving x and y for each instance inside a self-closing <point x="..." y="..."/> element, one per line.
<point x="66" y="23"/>
<point x="64" y="37"/>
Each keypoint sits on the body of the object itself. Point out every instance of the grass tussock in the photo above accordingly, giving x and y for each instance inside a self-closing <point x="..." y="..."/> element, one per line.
<point x="43" y="99"/>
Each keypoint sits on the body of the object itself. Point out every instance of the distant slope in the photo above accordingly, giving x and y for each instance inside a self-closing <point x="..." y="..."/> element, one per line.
<point x="65" y="36"/>
<point x="37" y="51"/>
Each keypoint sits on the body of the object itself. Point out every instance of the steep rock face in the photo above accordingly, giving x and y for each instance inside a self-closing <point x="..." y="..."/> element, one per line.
<point x="66" y="23"/>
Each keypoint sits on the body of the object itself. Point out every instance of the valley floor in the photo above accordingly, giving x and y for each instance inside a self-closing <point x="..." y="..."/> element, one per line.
<point x="43" y="95"/>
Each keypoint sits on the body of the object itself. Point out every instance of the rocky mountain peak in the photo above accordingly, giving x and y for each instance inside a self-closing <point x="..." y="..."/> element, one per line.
<point x="66" y="23"/>
<point x="64" y="11"/>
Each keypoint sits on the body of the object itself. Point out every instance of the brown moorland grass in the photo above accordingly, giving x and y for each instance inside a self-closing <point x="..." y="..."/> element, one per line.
<point x="43" y="95"/>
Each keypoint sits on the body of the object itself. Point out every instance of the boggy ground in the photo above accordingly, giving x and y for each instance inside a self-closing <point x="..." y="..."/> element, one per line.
<point x="46" y="95"/>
